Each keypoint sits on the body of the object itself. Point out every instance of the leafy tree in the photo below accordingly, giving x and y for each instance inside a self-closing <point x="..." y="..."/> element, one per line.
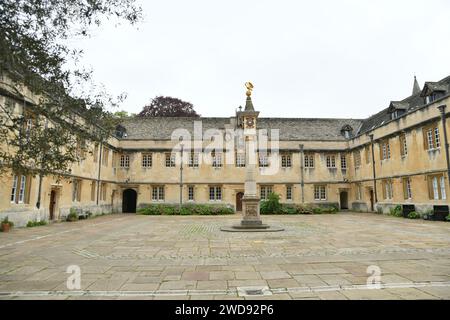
<point x="47" y="131"/>
<point x="123" y="114"/>
<point x="168" y="107"/>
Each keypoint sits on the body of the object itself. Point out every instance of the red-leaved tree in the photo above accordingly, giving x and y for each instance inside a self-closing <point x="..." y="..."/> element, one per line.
<point x="168" y="107"/>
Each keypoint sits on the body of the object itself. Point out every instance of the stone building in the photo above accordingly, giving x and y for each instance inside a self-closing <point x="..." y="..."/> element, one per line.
<point x="397" y="156"/>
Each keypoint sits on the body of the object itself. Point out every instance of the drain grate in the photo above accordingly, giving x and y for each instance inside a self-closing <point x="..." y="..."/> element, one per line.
<point x="253" y="291"/>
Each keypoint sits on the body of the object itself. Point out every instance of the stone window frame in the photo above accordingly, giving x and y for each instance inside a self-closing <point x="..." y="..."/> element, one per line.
<point x="407" y="188"/>
<point x="403" y="145"/>
<point x="437" y="187"/>
<point x="388" y="189"/>
<point x="147" y="160"/>
<point x="385" y="150"/>
<point x="170" y="158"/>
<point x="309" y="160"/>
<point x="286" y="160"/>
<point x="191" y="193"/>
<point x="265" y="190"/>
<point x="215" y="193"/>
<point x="331" y="161"/>
<point x="77" y="185"/>
<point x="103" y="191"/>
<point x="193" y="160"/>
<point x="217" y="159"/>
<point x="289" y="194"/>
<point x="240" y="159"/>
<point x="124" y="161"/>
<point x="158" y="193"/>
<point x="105" y="156"/>
<point x="20" y="189"/>
<point x="263" y="159"/>
<point x="343" y="161"/>
<point x="93" y="190"/>
<point x="431" y="137"/>
<point x="320" y="192"/>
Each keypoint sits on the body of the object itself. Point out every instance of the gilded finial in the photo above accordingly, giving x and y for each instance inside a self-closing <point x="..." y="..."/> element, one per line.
<point x="249" y="87"/>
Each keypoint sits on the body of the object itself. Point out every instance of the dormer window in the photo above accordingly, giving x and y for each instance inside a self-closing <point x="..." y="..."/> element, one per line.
<point x="121" y="132"/>
<point x="397" y="109"/>
<point x="433" y="91"/>
<point x="347" y="131"/>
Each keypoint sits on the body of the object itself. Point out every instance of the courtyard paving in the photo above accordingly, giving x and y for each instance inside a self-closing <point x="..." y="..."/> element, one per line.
<point x="124" y="256"/>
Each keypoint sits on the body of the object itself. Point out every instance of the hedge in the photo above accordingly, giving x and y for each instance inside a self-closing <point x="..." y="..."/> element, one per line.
<point x="186" y="209"/>
<point x="273" y="206"/>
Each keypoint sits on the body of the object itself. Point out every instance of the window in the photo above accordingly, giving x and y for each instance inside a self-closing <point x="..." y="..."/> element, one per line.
<point x="436" y="187"/>
<point x="191" y="193"/>
<point x="385" y="150"/>
<point x="103" y="190"/>
<point x="263" y="160"/>
<point x="309" y="160"/>
<point x="76" y="190"/>
<point x="93" y="183"/>
<point x="124" y="161"/>
<point x="357" y="158"/>
<point x="331" y="161"/>
<point x="358" y="191"/>
<point x="265" y="191"/>
<point x="387" y="189"/>
<point x="158" y="193"/>
<point x="240" y="160"/>
<point x="14" y="189"/>
<point x="105" y="156"/>
<point x="216" y="159"/>
<point x="95" y="152"/>
<point x="170" y="160"/>
<point x="215" y="193"/>
<point x="115" y="157"/>
<point x="147" y="160"/>
<point x="431" y="137"/>
<point x="403" y="145"/>
<point x="193" y="160"/>
<point x="407" y="192"/>
<point x="368" y="155"/>
<point x="20" y="191"/>
<point x="288" y="192"/>
<point x="320" y="192"/>
<point x="286" y="160"/>
<point x="343" y="161"/>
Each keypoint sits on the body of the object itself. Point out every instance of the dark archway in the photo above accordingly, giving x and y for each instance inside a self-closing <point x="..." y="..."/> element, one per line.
<point x="344" y="200"/>
<point x="239" y="196"/>
<point x="129" y="200"/>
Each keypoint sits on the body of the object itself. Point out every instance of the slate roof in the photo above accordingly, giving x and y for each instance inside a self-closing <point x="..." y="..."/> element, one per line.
<point x="409" y="104"/>
<point x="290" y="128"/>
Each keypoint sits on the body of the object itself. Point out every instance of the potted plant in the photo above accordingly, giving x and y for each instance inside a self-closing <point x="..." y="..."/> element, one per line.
<point x="6" y="224"/>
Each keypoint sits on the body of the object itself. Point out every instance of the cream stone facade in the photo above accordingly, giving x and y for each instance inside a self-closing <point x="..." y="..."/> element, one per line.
<point x="398" y="156"/>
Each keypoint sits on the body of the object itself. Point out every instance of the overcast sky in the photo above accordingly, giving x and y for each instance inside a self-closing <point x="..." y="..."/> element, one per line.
<point x="345" y="59"/>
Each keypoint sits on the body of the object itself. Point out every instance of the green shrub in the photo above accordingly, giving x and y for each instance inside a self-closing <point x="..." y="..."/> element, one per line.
<point x="32" y="224"/>
<point x="73" y="215"/>
<point x="413" y="215"/>
<point x="317" y="210"/>
<point x="272" y="205"/>
<point x="396" y="211"/>
<point x="288" y="210"/>
<point x="447" y="218"/>
<point x="186" y="209"/>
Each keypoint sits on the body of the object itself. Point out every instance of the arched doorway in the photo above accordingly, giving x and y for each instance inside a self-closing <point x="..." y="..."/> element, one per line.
<point x="344" y="200"/>
<point x="239" y="196"/>
<point x="129" y="199"/>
